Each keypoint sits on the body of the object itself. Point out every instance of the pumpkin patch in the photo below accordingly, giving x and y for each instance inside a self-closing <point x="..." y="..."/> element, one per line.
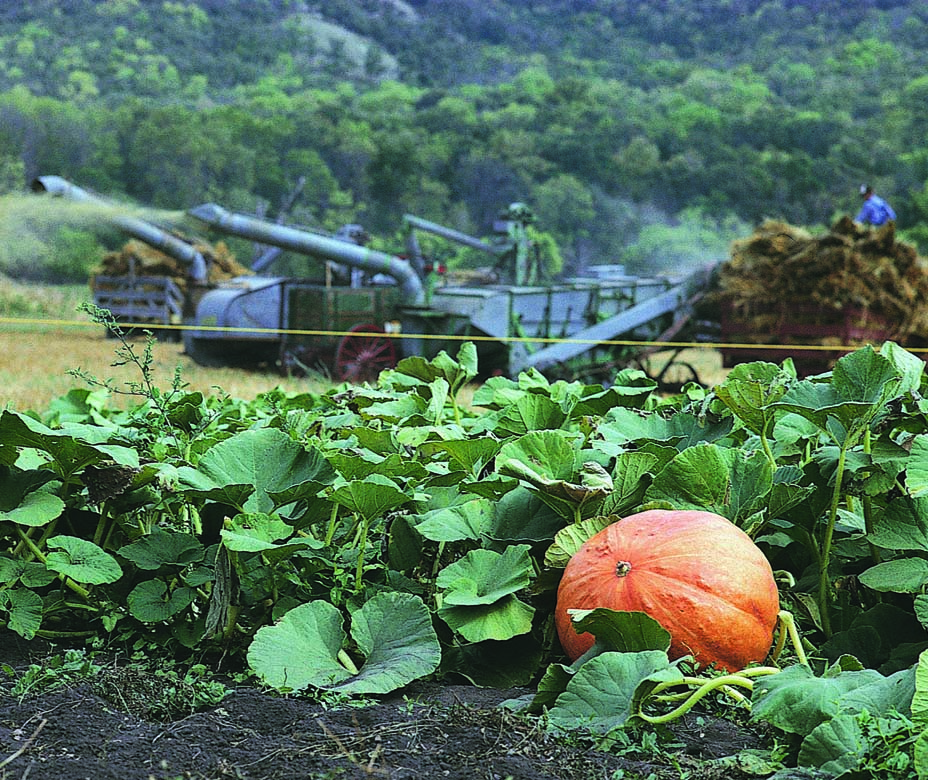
<point x="699" y="575"/>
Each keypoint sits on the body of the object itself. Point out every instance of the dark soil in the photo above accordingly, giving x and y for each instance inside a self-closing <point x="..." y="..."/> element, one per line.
<point x="425" y="731"/>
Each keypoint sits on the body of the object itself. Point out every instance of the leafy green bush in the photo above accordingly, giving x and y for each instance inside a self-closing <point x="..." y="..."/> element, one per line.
<point x="72" y="254"/>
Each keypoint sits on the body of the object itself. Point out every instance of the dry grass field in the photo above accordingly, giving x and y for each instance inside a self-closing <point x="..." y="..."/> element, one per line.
<point x="43" y="337"/>
<point x="34" y="366"/>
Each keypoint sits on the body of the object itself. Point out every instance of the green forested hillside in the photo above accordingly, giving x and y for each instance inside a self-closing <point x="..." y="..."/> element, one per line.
<point x="645" y="133"/>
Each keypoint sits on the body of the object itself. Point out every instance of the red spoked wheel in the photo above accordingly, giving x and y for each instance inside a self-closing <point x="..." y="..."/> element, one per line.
<point x="361" y="358"/>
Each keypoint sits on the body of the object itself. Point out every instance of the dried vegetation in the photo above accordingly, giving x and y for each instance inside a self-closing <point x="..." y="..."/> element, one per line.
<point x="782" y="274"/>
<point x="137" y="257"/>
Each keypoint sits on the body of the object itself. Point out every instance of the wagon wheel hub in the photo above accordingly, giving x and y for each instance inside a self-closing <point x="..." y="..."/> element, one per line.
<point x="363" y="354"/>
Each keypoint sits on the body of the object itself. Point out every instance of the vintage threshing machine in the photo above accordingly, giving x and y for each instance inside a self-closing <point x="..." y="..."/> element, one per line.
<point x="358" y="310"/>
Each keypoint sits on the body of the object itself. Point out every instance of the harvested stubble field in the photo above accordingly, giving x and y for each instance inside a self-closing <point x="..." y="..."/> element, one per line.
<point x="35" y="362"/>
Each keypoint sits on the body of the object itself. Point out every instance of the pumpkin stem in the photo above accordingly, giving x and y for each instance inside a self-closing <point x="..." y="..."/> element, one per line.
<point x="788" y="628"/>
<point x="726" y="683"/>
<point x="704" y="690"/>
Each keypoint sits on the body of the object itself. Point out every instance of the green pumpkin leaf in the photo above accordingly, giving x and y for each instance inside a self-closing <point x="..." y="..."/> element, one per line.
<point x="82" y="561"/>
<point x="394" y="630"/>
<point x="916" y="473"/>
<point x="478" y="601"/>
<point x="251" y="465"/>
<point x="836" y="746"/>
<point x="625" y="632"/>
<point x="708" y="477"/>
<point x="469" y="455"/>
<point x="548" y="462"/>
<point x="903" y="525"/>
<point x="681" y="430"/>
<point x="454" y="372"/>
<point x="66" y="453"/>
<point x="472" y="520"/>
<point x="150" y="602"/>
<point x="601" y="695"/>
<point x="749" y="388"/>
<point x="867" y="376"/>
<point x="631" y="477"/>
<point x="903" y="575"/>
<point x="405" y="409"/>
<point x="163" y="548"/>
<point x="35" y="509"/>
<point x="394" y="633"/>
<point x="301" y="649"/>
<point x="542" y="458"/>
<point x="920" y="752"/>
<point x="797" y="701"/>
<point x="910" y="368"/>
<point x="198" y="487"/>
<point x="521" y="516"/>
<point x="696" y="478"/>
<point x="571" y="538"/>
<point x="32" y="574"/>
<point x="862" y="383"/>
<point x="254" y="532"/>
<point x="370" y="497"/>
<point x="26" y="497"/>
<point x="504" y="619"/>
<point x="25" y="611"/>
<point x="920" y="697"/>
<point x="530" y="413"/>
<point x="484" y="576"/>
<point x="921" y="609"/>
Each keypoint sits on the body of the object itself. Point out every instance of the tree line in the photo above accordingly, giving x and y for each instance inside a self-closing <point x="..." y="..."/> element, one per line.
<point x="655" y="151"/>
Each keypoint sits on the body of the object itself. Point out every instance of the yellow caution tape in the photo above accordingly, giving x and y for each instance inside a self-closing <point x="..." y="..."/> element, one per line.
<point x="440" y="337"/>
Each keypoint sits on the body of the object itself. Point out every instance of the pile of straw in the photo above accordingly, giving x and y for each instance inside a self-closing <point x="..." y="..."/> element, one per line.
<point x="140" y="259"/>
<point x="782" y="268"/>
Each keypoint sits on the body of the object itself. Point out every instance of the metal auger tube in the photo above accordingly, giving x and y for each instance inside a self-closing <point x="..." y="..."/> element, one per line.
<point x="449" y="233"/>
<point x="137" y="228"/>
<point x="313" y="244"/>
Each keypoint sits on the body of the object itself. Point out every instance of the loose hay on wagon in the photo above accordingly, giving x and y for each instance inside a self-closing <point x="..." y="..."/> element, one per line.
<point x="784" y="287"/>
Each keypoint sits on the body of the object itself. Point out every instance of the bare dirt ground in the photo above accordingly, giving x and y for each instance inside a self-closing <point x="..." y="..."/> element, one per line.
<point x="428" y="730"/>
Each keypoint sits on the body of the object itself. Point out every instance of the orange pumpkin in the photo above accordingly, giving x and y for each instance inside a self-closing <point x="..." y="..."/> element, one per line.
<point x="696" y="573"/>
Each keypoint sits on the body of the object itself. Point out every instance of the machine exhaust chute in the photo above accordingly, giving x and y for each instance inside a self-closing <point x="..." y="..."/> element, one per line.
<point x="137" y="228"/>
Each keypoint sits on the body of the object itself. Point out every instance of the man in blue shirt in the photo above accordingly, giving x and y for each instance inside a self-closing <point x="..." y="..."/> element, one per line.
<point x="875" y="210"/>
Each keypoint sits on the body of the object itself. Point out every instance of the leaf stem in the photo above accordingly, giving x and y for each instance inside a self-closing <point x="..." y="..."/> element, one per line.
<point x="788" y="628"/>
<point x="362" y="546"/>
<point x="707" y="687"/>
<point x="766" y="444"/>
<point x="33" y="548"/>
<point x="64" y="634"/>
<point x="345" y="660"/>
<point x="101" y="528"/>
<point x="867" y="502"/>
<point x="333" y="519"/>
<point x="824" y="581"/>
